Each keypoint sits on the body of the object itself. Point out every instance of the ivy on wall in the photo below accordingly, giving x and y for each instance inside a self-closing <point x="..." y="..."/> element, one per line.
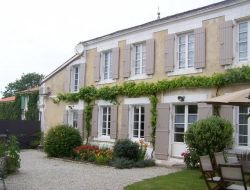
<point x="12" y="110"/>
<point x="132" y="89"/>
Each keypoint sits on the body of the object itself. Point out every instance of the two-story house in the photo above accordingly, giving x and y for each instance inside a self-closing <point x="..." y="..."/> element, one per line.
<point x="202" y="41"/>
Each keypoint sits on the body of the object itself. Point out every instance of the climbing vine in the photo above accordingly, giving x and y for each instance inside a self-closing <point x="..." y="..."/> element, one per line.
<point x="88" y="116"/>
<point x="32" y="113"/>
<point x="132" y="89"/>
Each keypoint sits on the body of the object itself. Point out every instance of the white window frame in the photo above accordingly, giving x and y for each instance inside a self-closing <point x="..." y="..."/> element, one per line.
<point x="109" y="66"/>
<point x="75" y="79"/>
<point x="185" y="119"/>
<point x="142" y="59"/>
<point x="107" y="122"/>
<point x="73" y="118"/>
<point x="237" y="134"/>
<point x="238" y="42"/>
<point x="131" y="123"/>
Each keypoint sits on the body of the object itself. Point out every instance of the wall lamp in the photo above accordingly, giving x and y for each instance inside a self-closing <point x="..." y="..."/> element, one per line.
<point x="181" y="98"/>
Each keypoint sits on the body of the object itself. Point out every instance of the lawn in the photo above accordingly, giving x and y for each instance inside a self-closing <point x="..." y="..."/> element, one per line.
<point x="183" y="180"/>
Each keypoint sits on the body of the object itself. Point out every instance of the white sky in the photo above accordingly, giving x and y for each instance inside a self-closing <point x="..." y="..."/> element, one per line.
<point x="39" y="35"/>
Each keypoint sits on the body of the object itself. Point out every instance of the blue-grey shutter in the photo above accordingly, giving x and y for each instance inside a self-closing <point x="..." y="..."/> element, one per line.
<point x="169" y="53"/>
<point x="115" y="63"/>
<point x="67" y="79"/>
<point x="200" y="48"/>
<point x="97" y="67"/>
<point x="113" y="124"/>
<point x="204" y="110"/>
<point x="147" y="124"/>
<point x="81" y="74"/>
<point x="127" y="61"/>
<point x="150" y="56"/>
<point x="123" y="133"/>
<point x="65" y="117"/>
<point x="94" y="130"/>
<point x="80" y="122"/>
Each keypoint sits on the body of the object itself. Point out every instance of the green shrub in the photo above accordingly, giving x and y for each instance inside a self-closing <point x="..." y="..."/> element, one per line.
<point x="122" y="163"/>
<point x="144" y="163"/>
<point x="207" y="136"/>
<point x="126" y="149"/>
<point x="60" y="141"/>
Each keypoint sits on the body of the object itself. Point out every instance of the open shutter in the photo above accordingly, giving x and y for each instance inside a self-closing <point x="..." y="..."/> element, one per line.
<point x="125" y="122"/>
<point x="226" y="42"/>
<point x="81" y="74"/>
<point x="150" y="56"/>
<point x="97" y="67"/>
<point x="127" y="62"/>
<point x="162" y="132"/>
<point x="199" y="48"/>
<point x="115" y="63"/>
<point x="65" y="117"/>
<point x="226" y="112"/>
<point x="113" y="127"/>
<point x="67" y="79"/>
<point x="204" y="110"/>
<point x="169" y="53"/>
<point x="80" y="122"/>
<point x="147" y="124"/>
<point x="94" y="130"/>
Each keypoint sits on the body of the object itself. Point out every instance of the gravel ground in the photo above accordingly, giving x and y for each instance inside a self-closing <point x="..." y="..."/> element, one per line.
<point x="38" y="172"/>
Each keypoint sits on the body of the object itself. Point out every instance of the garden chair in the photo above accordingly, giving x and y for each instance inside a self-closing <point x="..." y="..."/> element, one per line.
<point x="2" y="170"/>
<point x="232" y="174"/>
<point x="212" y="181"/>
<point x="219" y="159"/>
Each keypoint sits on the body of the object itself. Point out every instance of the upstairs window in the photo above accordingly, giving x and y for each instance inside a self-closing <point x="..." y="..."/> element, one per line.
<point x="139" y="51"/>
<point x="75" y="79"/>
<point x="106" y="65"/>
<point x="243" y="41"/>
<point x="185" y="51"/>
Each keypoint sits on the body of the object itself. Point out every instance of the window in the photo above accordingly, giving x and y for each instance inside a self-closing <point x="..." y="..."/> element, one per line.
<point x="106" y="120"/>
<point x="243" y="41"/>
<point x="243" y="126"/>
<point x="138" y="119"/>
<point x="185" y="51"/>
<point x="184" y="116"/>
<point x="106" y="65"/>
<point x="73" y="118"/>
<point x="75" y="79"/>
<point x="139" y="58"/>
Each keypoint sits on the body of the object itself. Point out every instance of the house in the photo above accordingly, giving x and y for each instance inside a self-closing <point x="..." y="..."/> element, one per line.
<point x="199" y="42"/>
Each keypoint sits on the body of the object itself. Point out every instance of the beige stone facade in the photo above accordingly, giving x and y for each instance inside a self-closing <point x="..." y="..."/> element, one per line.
<point x="209" y="19"/>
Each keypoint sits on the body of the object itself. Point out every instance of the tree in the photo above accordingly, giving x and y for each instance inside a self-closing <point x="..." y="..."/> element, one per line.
<point x="28" y="80"/>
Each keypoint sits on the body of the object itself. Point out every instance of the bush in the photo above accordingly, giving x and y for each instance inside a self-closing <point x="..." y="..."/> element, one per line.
<point x="144" y="163"/>
<point x="191" y="159"/>
<point x="122" y="163"/>
<point x="126" y="149"/>
<point x="60" y="141"/>
<point x="207" y="136"/>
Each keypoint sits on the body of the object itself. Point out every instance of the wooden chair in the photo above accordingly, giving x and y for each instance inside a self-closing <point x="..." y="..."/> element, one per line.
<point x="212" y="181"/>
<point x="219" y="159"/>
<point x="232" y="174"/>
<point x="2" y="170"/>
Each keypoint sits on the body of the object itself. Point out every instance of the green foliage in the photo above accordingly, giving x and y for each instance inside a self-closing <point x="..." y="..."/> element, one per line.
<point x="60" y="141"/>
<point x="88" y="116"/>
<point x="33" y="113"/>
<point x="11" y="110"/>
<point x="191" y="159"/>
<point x="12" y="153"/>
<point x="210" y="135"/>
<point x="38" y="140"/>
<point x="122" y="163"/>
<point x="126" y="149"/>
<point x="26" y="81"/>
<point x="144" y="163"/>
<point x="132" y="89"/>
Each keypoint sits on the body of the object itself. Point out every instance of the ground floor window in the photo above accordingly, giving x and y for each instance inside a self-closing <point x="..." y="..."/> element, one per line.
<point x="184" y="116"/>
<point x="243" y="132"/>
<point x="73" y="118"/>
<point x="105" y="120"/>
<point x="137" y="121"/>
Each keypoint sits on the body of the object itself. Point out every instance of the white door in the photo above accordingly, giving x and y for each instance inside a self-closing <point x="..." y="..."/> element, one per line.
<point x="184" y="115"/>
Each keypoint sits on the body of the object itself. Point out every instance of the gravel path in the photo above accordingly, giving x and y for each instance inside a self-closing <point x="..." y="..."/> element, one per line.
<point x="38" y="172"/>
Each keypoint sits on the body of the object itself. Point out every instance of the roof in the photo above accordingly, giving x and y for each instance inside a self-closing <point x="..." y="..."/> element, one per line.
<point x="166" y="19"/>
<point x="8" y="99"/>
<point x="30" y="90"/>
<point x="66" y="63"/>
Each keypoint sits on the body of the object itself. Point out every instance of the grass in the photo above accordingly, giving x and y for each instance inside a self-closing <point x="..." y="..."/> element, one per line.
<point x="183" y="180"/>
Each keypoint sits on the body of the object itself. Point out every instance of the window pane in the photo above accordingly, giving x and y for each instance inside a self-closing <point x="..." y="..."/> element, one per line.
<point x="243" y="119"/>
<point x="135" y="133"/>
<point x="243" y="37"/>
<point x="243" y="109"/>
<point x="179" y="128"/>
<point x="243" y="141"/>
<point x="191" y="38"/>
<point x="243" y="55"/>
<point x="243" y="27"/>
<point x="192" y="109"/>
<point x="136" y="125"/>
<point x="243" y="47"/>
<point x="179" y="118"/>
<point x="180" y="109"/>
<point x="243" y="129"/>
<point x="179" y="137"/>
<point x="192" y="118"/>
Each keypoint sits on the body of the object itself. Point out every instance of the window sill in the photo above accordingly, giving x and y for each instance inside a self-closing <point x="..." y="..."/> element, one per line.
<point x="238" y="64"/>
<point x="107" y="81"/>
<point x="104" y="138"/>
<point x="139" y="77"/>
<point x="185" y="71"/>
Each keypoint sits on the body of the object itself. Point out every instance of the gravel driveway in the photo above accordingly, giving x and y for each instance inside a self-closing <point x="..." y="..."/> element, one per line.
<point x="38" y="172"/>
